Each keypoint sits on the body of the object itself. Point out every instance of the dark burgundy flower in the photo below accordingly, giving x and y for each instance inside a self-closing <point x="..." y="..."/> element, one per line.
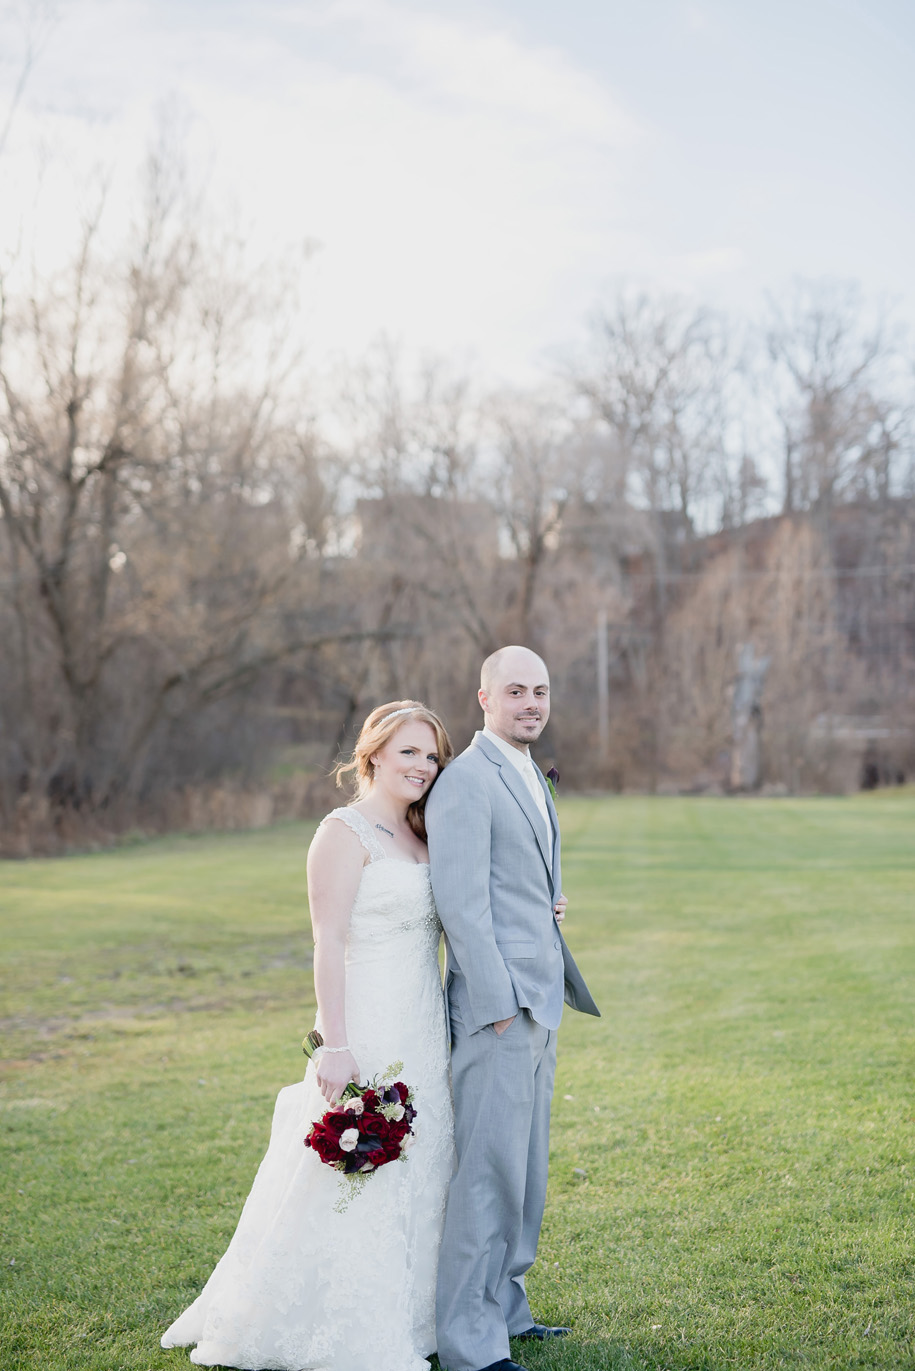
<point x="380" y="1139"/>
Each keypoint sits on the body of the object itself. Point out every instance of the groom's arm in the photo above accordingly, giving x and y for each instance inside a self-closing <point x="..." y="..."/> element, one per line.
<point x="459" y="827"/>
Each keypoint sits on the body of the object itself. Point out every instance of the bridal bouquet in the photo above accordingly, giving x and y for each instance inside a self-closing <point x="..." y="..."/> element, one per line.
<point x="371" y="1126"/>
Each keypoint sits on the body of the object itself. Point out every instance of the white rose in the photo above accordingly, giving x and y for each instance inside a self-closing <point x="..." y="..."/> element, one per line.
<point x="349" y="1139"/>
<point x="354" y="1106"/>
<point x="397" y="1113"/>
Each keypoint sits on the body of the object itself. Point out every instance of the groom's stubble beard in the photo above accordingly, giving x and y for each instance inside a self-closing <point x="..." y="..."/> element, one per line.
<point x="513" y="731"/>
<point x="518" y="726"/>
<point x="530" y="735"/>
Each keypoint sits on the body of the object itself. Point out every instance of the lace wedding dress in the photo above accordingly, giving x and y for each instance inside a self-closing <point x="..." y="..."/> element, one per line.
<point x="302" y="1286"/>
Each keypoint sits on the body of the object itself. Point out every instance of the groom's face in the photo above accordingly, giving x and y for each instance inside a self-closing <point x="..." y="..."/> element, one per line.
<point x="517" y="702"/>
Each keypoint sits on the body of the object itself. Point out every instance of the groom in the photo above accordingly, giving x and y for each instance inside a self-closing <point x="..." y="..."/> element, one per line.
<point x="494" y="854"/>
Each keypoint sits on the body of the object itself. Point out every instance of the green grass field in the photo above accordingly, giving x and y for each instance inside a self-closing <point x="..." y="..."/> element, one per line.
<point x="732" y="1166"/>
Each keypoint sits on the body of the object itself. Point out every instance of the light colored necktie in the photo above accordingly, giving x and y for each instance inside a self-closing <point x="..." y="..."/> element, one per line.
<point x="536" y="789"/>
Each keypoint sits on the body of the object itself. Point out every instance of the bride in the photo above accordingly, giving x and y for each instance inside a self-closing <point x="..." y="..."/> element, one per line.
<point x="302" y="1285"/>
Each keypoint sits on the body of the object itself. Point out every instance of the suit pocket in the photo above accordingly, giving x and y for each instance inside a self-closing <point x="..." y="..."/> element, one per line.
<point x="516" y="947"/>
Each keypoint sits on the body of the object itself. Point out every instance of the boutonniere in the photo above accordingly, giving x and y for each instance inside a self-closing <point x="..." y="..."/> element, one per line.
<point x="552" y="780"/>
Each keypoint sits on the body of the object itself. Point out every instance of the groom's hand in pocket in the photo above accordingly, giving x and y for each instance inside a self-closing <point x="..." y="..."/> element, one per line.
<point x="501" y="1024"/>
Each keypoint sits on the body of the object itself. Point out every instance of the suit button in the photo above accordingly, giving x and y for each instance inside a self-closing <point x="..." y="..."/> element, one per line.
<point x="557" y="946"/>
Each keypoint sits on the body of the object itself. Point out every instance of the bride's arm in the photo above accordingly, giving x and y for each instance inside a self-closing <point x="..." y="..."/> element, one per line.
<point x="335" y="862"/>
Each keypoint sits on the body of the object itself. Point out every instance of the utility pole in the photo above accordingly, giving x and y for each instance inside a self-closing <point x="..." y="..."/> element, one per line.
<point x="603" y="691"/>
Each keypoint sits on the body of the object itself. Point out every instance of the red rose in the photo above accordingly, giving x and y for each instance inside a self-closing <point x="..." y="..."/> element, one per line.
<point x="380" y="1140"/>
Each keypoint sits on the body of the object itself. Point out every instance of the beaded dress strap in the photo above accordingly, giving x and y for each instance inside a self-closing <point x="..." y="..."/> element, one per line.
<point x="362" y="829"/>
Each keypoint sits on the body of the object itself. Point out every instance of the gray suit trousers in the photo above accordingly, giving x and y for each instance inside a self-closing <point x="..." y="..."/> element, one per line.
<point x="503" y="1085"/>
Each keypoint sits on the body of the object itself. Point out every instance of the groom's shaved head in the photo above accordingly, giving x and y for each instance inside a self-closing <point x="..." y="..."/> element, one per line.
<point x="515" y="695"/>
<point x="506" y="660"/>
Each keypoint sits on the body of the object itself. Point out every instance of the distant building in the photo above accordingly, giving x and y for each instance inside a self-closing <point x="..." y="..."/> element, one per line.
<point x="413" y="529"/>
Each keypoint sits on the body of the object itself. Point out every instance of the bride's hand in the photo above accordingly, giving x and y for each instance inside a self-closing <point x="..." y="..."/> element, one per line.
<point x="559" y="908"/>
<point x="334" y="1071"/>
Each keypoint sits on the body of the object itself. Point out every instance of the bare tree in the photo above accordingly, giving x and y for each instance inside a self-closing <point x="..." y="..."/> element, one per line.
<point x="532" y="473"/>
<point x="145" y="457"/>
<point x="840" y="395"/>
<point x="415" y="470"/>
<point x="654" y="376"/>
<point x="35" y="20"/>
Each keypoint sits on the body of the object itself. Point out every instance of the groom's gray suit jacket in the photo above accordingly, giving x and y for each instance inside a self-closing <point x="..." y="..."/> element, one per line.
<point x="495" y="886"/>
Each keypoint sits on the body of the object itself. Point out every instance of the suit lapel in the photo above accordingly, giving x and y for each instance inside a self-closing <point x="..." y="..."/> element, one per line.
<point x="554" y="824"/>
<point x="518" y="787"/>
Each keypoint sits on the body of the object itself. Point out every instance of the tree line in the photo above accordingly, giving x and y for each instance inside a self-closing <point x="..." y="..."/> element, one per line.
<point x="210" y="567"/>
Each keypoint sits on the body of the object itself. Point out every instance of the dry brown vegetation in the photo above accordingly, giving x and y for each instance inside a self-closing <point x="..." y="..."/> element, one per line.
<point x="202" y="592"/>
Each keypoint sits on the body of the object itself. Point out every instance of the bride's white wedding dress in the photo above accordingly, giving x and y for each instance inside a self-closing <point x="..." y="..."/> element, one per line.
<point x="302" y="1286"/>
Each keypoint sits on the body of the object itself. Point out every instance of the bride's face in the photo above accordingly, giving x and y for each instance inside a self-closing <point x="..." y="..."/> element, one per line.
<point x="407" y="764"/>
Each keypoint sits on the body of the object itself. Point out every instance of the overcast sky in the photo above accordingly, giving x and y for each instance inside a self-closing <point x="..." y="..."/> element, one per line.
<point x="478" y="175"/>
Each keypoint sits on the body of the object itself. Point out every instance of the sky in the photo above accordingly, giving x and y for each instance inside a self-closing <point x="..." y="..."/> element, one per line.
<point x="475" y="178"/>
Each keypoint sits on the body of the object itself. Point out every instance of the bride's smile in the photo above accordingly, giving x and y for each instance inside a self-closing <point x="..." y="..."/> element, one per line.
<point x="408" y="761"/>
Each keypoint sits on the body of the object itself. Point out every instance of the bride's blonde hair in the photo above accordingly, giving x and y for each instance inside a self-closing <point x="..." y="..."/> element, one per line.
<point x="378" y="729"/>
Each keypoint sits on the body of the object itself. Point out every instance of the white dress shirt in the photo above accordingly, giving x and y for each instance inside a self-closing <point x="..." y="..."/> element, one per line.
<point x="523" y="762"/>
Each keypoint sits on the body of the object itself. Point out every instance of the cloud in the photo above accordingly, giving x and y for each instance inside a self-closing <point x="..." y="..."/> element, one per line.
<point x="490" y="69"/>
<point x="463" y="184"/>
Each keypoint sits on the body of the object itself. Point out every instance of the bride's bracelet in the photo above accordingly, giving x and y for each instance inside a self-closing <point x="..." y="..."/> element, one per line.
<point x="324" y="1048"/>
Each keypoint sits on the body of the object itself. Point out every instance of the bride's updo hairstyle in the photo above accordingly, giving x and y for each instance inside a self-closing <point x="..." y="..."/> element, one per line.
<point x="378" y="729"/>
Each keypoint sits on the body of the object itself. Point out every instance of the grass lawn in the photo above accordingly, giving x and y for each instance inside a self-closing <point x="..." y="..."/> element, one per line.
<point x="732" y="1164"/>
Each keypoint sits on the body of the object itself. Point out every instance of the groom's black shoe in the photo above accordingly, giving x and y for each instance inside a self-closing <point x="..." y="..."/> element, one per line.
<point x="504" y="1365"/>
<point x="540" y="1333"/>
